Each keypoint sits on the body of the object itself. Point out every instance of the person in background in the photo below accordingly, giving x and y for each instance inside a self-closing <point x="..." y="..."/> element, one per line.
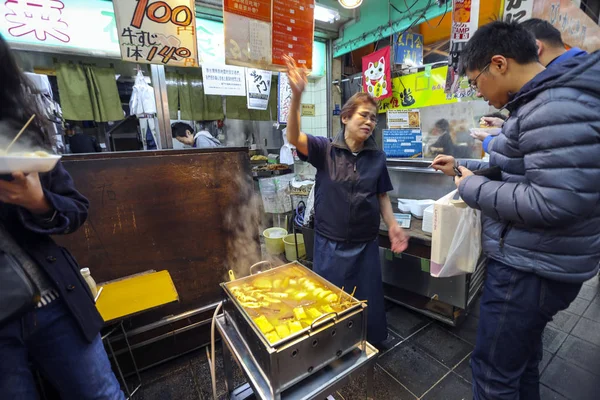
<point x="350" y="197"/>
<point x="60" y="335"/>
<point x="541" y="221"/>
<point x="79" y="142"/>
<point x="550" y="46"/>
<point x="184" y="133"/>
<point x="551" y="52"/>
<point x="444" y="143"/>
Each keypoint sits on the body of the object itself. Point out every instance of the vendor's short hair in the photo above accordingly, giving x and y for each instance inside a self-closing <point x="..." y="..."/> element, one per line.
<point x="179" y="129"/>
<point x="544" y="31"/>
<point x="357" y="100"/>
<point x="508" y="39"/>
<point x="443" y="125"/>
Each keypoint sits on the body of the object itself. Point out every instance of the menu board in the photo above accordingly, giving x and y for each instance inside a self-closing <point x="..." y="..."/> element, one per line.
<point x="157" y="32"/>
<point x="259" y="33"/>
<point x="403" y="143"/>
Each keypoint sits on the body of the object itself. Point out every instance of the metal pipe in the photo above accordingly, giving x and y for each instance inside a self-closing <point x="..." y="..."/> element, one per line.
<point x="168" y="320"/>
<point x="329" y="75"/>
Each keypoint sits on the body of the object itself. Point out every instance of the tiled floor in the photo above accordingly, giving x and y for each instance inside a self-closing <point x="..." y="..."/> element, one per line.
<point x="424" y="359"/>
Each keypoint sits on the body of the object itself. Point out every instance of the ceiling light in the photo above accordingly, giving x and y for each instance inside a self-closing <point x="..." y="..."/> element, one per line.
<point x="350" y="4"/>
<point x="325" y="14"/>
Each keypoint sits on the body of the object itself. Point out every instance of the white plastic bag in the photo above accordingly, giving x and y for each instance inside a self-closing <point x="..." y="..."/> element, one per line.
<point x="142" y="100"/>
<point x="456" y="237"/>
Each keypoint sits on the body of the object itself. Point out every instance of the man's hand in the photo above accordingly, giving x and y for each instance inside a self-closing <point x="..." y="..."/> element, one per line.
<point x="398" y="238"/>
<point x="465" y="172"/>
<point x="492" y="122"/>
<point x="479" y="134"/>
<point x="25" y="191"/>
<point x="445" y="164"/>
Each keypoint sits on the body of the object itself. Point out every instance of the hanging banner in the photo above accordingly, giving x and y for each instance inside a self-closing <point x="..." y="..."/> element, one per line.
<point x="224" y="80"/>
<point x="576" y="28"/>
<point x="465" y="19"/>
<point x="377" y="74"/>
<point x="284" y="98"/>
<point x="408" y="49"/>
<point x="258" y="84"/>
<point x="157" y="32"/>
<point x="259" y="33"/>
<point x="401" y="119"/>
<point x="518" y="10"/>
<point x="403" y="143"/>
<point x="423" y="89"/>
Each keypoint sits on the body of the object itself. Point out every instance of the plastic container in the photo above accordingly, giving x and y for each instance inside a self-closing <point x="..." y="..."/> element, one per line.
<point x="428" y="220"/>
<point x="274" y="240"/>
<point x="85" y="272"/>
<point x="290" y="247"/>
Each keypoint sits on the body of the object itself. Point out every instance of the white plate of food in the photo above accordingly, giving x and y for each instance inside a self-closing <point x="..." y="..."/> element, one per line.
<point x="27" y="162"/>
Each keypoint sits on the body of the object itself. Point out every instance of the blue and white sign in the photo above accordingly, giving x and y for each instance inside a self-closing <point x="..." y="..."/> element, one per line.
<point x="408" y="49"/>
<point x="403" y="143"/>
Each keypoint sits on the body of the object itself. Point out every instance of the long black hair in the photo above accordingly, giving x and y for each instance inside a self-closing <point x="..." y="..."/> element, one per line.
<point x="17" y="101"/>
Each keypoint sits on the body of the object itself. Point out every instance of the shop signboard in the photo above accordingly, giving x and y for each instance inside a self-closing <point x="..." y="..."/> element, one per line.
<point x="423" y="89"/>
<point x="403" y="143"/>
<point x="258" y="33"/>
<point x="284" y="98"/>
<point x="157" y="32"/>
<point x="258" y="84"/>
<point x="408" y="49"/>
<point x="518" y="10"/>
<point x="377" y="74"/>
<point x="88" y="27"/>
<point x="465" y="19"/>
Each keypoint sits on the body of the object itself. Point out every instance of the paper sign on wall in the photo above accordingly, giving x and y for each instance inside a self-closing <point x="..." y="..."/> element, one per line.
<point x="402" y="119"/>
<point x="157" y="32"/>
<point x="403" y="143"/>
<point x="224" y="80"/>
<point x="258" y="83"/>
<point x="308" y="110"/>
<point x="284" y="98"/>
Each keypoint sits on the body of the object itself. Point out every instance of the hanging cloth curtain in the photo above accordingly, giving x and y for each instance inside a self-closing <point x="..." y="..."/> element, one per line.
<point x="186" y="93"/>
<point x="88" y="93"/>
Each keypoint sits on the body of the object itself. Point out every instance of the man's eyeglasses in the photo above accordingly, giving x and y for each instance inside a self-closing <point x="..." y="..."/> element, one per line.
<point x="473" y="83"/>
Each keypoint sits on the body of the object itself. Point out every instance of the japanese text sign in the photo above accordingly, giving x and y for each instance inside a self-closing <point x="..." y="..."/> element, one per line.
<point x="517" y="10"/>
<point x="408" y="49"/>
<point x="403" y="143"/>
<point x="157" y="32"/>
<point x="284" y="98"/>
<point x="258" y="84"/>
<point x="224" y="80"/>
<point x="377" y="74"/>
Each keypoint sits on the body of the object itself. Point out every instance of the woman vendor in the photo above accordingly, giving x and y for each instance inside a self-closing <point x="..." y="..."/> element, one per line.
<point x="350" y="195"/>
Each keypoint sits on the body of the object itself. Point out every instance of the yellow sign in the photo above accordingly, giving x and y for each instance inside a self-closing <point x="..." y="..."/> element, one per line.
<point x="423" y="89"/>
<point x="308" y="110"/>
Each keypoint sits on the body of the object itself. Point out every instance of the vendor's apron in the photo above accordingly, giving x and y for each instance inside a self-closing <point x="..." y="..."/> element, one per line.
<point x="355" y="264"/>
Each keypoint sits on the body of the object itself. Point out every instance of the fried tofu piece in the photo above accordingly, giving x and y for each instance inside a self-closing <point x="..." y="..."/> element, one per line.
<point x="272" y="337"/>
<point x="300" y="295"/>
<point x="327" y="309"/>
<point x="282" y="330"/>
<point x="332" y="298"/>
<point x="263" y="324"/>
<point x="294" y="326"/>
<point x="262" y="283"/>
<point x="299" y="313"/>
<point x="324" y="294"/>
<point x="314" y="313"/>
<point x="277" y="284"/>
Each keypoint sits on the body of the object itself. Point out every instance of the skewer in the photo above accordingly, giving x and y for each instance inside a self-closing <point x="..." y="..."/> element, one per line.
<point x="20" y="133"/>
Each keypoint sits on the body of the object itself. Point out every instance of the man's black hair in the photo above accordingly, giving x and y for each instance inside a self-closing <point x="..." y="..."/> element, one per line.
<point x="178" y="129"/>
<point x="443" y="125"/>
<point x="544" y="31"/>
<point x="510" y="40"/>
<point x="497" y="115"/>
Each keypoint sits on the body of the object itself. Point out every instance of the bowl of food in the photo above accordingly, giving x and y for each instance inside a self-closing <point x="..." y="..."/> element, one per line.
<point x="27" y="162"/>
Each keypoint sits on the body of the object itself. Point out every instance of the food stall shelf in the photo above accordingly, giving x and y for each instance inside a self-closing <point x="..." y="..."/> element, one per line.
<point x="322" y="383"/>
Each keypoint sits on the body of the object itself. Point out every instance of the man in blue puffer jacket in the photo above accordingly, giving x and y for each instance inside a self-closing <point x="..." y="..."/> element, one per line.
<point x="541" y="222"/>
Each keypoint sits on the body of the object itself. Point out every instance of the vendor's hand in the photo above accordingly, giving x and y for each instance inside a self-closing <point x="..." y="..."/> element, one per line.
<point x="492" y="121"/>
<point x="398" y="238"/>
<point x="465" y="172"/>
<point x="298" y="77"/>
<point x="445" y="164"/>
<point x="25" y="191"/>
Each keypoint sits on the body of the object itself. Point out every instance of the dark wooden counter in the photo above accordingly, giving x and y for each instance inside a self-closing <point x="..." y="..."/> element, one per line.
<point x="162" y="210"/>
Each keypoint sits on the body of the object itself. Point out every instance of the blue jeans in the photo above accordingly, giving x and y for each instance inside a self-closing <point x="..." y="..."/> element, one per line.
<point x="50" y="339"/>
<point x="515" y="308"/>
